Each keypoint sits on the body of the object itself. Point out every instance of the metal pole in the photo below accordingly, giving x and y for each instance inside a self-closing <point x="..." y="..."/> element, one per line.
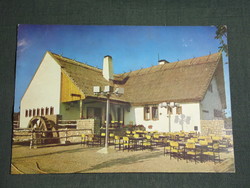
<point x="169" y="117"/>
<point x="107" y="122"/>
<point x="81" y="111"/>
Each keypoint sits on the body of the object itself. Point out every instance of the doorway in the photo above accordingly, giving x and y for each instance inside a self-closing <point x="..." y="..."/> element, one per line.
<point x="96" y="114"/>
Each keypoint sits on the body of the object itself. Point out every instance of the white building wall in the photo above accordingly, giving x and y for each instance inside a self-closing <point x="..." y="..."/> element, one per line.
<point x="211" y="102"/>
<point x="43" y="91"/>
<point x="189" y="118"/>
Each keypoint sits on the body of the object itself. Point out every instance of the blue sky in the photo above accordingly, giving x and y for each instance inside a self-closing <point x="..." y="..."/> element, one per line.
<point x="131" y="47"/>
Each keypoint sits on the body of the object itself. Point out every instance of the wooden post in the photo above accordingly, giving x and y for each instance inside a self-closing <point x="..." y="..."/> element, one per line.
<point x="107" y="122"/>
<point x="31" y="141"/>
<point x="66" y="136"/>
<point x="81" y="109"/>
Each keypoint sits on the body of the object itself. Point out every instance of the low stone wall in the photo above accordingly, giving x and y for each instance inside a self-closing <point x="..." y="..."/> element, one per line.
<point x="86" y="124"/>
<point x="212" y="127"/>
<point x="73" y="135"/>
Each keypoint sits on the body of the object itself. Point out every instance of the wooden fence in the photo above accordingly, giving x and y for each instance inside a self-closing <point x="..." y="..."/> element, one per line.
<point x="16" y="124"/>
<point x="67" y="123"/>
<point x="38" y="137"/>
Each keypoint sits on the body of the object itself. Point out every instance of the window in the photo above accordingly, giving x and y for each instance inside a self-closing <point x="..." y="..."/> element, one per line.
<point x="51" y="110"/>
<point x="146" y="113"/>
<point x="155" y="114"/>
<point x="38" y="112"/>
<point x="217" y="113"/>
<point x="30" y="113"/>
<point x="42" y="112"/>
<point x="179" y="110"/>
<point x="210" y="88"/>
<point x="47" y="111"/>
<point x="26" y="113"/>
<point x="34" y="112"/>
<point x="170" y="110"/>
<point x="205" y="111"/>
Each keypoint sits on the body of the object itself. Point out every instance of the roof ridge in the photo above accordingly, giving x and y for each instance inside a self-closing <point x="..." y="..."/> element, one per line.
<point x="174" y="64"/>
<point x="74" y="62"/>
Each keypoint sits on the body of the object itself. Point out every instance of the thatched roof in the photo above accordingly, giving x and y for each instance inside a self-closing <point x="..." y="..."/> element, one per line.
<point x="182" y="81"/>
<point x="83" y="76"/>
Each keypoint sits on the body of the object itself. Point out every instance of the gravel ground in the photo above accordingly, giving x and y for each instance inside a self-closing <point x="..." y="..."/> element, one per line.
<point x="82" y="159"/>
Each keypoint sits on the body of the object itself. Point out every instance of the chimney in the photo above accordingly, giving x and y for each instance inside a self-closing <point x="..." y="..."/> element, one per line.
<point x="107" y="71"/>
<point x="162" y="62"/>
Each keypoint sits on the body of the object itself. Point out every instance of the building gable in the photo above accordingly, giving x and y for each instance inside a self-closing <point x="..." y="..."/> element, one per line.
<point x="69" y="91"/>
<point x="43" y="91"/>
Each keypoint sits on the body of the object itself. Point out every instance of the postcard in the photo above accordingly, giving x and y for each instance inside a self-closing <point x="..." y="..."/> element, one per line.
<point x="122" y="99"/>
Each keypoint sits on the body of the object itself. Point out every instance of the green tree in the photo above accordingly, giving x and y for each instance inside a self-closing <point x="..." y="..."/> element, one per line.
<point x="221" y="34"/>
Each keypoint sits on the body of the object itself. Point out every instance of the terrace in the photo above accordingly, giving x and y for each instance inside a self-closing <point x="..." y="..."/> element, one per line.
<point x="129" y="153"/>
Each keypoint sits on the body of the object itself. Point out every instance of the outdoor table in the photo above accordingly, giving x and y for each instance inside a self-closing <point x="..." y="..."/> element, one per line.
<point x="96" y="139"/>
<point x="186" y="137"/>
<point x="138" y="142"/>
<point x="162" y="137"/>
<point x="141" y="134"/>
<point x="197" y="145"/>
<point x="100" y="138"/>
<point x="202" y="149"/>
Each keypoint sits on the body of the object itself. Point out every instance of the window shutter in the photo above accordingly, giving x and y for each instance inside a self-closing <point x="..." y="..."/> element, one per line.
<point x="146" y="113"/>
<point x="179" y="110"/>
<point x="170" y="111"/>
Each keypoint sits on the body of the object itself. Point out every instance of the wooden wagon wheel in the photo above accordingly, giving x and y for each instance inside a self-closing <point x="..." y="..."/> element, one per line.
<point x="40" y="123"/>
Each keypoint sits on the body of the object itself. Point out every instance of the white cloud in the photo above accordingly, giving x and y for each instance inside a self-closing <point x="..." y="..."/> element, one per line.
<point x="22" y="43"/>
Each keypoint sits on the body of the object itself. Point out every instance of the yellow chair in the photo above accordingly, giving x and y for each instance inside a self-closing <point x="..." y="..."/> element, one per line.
<point x="102" y="138"/>
<point x="103" y="134"/>
<point x="210" y="142"/>
<point x="214" y="152"/>
<point x="203" y="147"/>
<point x="182" y="136"/>
<point x="117" y="142"/>
<point x="126" y="144"/>
<point x="136" y="136"/>
<point x="217" y="138"/>
<point x="156" y="140"/>
<point x="194" y="139"/>
<point x="111" y="138"/>
<point x="203" y="143"/>
<point x="166" y="145"/>
<point x="92" y="140"/>
<point x="202" y="137"/>
<point x="190" y="141"/>
<point x="83" y="139"/>
<point x="191" y="151"/>
<point x="175" y="150"/>
<point x="147" y="144"/>
<point x="128" y="133"/>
